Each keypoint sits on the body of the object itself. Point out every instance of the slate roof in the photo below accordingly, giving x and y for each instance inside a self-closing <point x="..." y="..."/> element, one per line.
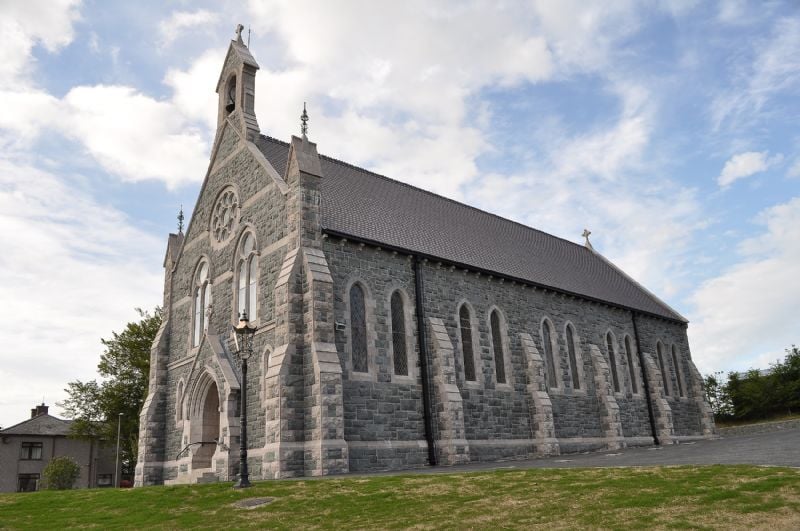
<point x="41" y="425"/>
<point x="374" y="208"/>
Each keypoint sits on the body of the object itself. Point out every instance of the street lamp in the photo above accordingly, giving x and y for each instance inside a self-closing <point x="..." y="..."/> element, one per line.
<point x="243" y="339"/>
<point x="116" y="462"/>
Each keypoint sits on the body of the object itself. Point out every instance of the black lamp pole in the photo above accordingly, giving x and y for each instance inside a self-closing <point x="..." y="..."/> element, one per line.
<point x="243" y="338"/>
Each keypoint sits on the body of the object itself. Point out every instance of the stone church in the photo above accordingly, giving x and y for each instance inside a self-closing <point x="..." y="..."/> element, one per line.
<point x="395" y="328"/>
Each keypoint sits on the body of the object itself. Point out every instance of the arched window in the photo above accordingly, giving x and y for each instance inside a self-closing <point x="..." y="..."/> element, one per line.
<point x="358" y="329"/>
<point x="631" y="370"/>
<point x="399" y="334"/>
<point x="664" y="378"/>
<point x="549" y="360"/>
<point x="612" y="361"/>
<point x="465" y="325"/>
<point x="179" y="402"/>
<point x="230" y="95"/>
<point x="677" y="370"/>
<point x="497" y="343"/>
<point x="247" y="278"/>
<point x="202" y="300"/>
<point x="573" y="359"/>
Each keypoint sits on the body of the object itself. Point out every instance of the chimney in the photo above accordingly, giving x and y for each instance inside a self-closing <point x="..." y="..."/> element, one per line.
<point x="39" y="410"/>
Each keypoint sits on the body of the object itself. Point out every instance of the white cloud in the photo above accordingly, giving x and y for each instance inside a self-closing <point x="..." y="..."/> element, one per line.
<point x="744" y="165"/>
<point x="72" y="270"/>
<point x="794" y="170"/>
<point x="180" y="21"/>
<point x="23" y="24"/>
<point x="193" y="89"/>
<point x="775" y="69"/>
<point x="748" y="314"/>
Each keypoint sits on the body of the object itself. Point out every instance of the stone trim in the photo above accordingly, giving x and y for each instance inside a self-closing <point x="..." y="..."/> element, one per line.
<point x="539" y="404"/>
<point x="636" y="369"/>
<point x="707" y="426"/>
<point x="556" y="359"/>
<point x="620" y="374"/>
<point x="372" y="336"/>
<point x="579" y="367"/>
<point x="450" y="437"/>
<point x="661" y="409"/>
<point x="477" y="360"/>
<point x="675" y="361"/>
<point x="410" y="334"/>
<point x="504" y="346"/>
<point x="666" y="383"/>
<point x="610" y="420"/>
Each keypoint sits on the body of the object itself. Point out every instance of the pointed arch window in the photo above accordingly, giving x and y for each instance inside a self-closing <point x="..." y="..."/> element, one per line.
<point x="612" y="361"/>
<point x="465" y="327"/>
<point x="247" y="278"/>
<point x="497" y="343"/>
<point x="631" y="370"/>
<point x="664" y="379"/>
<point x="202" y="301"/>
<point x="358" y="329"/>
<point x="677" y="370"/>
<point x="399" y="351"/>
<point x="549" y="359"/>
<point x="573" y="359"/>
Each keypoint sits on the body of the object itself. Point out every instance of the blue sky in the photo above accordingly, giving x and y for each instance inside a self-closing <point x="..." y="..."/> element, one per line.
<point x="668" y="128"/>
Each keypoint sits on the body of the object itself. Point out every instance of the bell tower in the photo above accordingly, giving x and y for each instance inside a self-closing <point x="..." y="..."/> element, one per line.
<point x="237" y="88"/>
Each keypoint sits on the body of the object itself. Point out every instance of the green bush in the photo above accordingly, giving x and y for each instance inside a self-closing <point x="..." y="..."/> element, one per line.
<point x="61" y="473"/>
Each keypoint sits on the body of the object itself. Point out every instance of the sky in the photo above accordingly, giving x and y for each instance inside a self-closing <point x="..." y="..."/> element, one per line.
<point x="667" y="128"/>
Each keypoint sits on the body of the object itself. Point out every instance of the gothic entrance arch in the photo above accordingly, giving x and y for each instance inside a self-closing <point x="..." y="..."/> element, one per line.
<point x="205" y="423"/>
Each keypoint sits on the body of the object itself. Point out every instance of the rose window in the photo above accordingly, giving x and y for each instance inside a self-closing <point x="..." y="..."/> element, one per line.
<point x="225" y="216"/>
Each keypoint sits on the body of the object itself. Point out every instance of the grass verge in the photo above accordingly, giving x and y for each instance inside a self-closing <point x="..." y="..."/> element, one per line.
<point x="707" y="497"/>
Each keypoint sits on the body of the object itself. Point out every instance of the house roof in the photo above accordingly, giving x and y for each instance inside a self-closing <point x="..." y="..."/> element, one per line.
<point x="370" y="207"/>
<point x="41" y="425"/>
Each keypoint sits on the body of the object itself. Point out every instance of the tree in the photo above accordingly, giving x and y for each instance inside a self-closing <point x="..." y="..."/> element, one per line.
<point x="717" y="393"/>
<point x="125" y="368"/>
<point x="61" y="473"/>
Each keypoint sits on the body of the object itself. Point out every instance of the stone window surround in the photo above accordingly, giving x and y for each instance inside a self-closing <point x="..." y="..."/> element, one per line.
<point x="411" y="358"/>
<point x="620" y="374"/>
<point x="180" y="391"/>
<point x="555" y="359"/>
<point x="203" y="259"/>
<point x="237" y="223"/>
<point x="504" y="345"/>
<point x="266" y="354"/>
<point x="675" y="356"/>
<point x="637" y="370"/>
<point x="372" y="336"/>
<point x="477" y="359"/>
<point x="663" y="366"/>
<point x="235" y="263"/>
<point x="576" y="340"/>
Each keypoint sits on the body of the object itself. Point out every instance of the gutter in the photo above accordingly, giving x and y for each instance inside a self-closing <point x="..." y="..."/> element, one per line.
<point x="427" y="411"/>
<point x="645" y="381"/>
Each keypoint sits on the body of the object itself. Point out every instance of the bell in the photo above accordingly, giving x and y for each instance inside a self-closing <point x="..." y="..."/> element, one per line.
<point x="229" y="107"/>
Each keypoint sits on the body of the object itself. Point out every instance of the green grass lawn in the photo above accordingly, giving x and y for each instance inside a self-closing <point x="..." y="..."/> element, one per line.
<point x="665" y="497"/>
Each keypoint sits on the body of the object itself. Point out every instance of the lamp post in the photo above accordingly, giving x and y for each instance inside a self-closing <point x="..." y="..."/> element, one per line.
<point x="116" y="462"/>
<point x="243" y="339"/>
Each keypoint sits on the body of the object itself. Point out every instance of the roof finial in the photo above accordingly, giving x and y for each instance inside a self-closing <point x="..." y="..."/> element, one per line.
<point x="588" y="244"/>
<point x="180" y="221"/>
<point x="248" y="35"/>
<point x="239" y="29"/>
<point x="304" y="123"/>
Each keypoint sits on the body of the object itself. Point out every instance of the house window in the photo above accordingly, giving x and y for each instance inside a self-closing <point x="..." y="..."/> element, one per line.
<point x="104" y="480"/>
<point x="664" y="380"/>
<point x="202" y="300"/>
<point x="358" y="329"/>
<point x="612" y="361"/>
<point x="27" y="482"/>
<point x="573" y="360"/>
<point x="629" y="355"/>
<point x="465" y="324"/>
<point x="549" y="360"/>
<point x="399" y="334"/>
<point x="31" y="451"/>
<point x="677" y="370"/>
<point x="497" y="342"/>
<point x="247" y="267"/>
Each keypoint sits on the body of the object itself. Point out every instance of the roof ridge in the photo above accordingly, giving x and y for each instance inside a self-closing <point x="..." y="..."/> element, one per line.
<point x="451" y="200"/>
<point x="32" y="419"/>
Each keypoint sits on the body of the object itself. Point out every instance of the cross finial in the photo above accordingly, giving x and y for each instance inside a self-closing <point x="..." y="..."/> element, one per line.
<point x="586" y="233"/>
<point x="304" y="123"/>
<point x="180" y="220"/>
<point x="239" y="29"/>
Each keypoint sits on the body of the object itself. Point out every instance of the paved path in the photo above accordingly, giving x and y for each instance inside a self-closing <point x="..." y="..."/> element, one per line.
<point x="777" y="448"/>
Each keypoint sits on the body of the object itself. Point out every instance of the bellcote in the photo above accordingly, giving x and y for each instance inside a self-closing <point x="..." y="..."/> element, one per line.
<point x="236" y="88"/>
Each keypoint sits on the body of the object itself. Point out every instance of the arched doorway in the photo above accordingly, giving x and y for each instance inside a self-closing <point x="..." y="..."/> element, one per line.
<point x="208" y="432"/>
